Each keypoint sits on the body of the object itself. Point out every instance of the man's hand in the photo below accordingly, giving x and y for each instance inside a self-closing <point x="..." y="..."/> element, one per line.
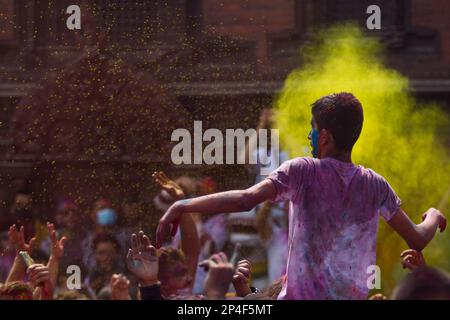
<point x="142" y="260"/>
<point x="57" y="245"/>
<point x="119" y="287"/>
<point x="17" y="239"/>
<point x="442" y="220"/>
<point x="168" y="224"/>
<point x="169" y="185"/>
<point x="219" y="276"/>
<point x="39" y="276"/>
<point x="412" y="259"/>
<point x="241" y="278"/>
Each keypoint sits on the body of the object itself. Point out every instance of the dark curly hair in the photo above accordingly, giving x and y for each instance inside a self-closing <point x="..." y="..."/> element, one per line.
<point x="342" y="115"/>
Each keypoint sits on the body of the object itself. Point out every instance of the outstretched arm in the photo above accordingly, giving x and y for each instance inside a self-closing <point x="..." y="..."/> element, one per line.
<point x="418" y="236"/>
<point x="223" y="202"/>
<point x="229" y="201"/>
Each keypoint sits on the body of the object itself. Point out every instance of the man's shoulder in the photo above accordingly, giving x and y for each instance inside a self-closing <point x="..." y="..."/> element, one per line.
<point x="295" y="167"/>
<point x="371" y="174"/>
<point x="303" y="161"/>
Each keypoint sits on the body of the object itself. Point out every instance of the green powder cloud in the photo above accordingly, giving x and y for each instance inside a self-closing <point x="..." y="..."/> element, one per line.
<point x="401" y="140"/>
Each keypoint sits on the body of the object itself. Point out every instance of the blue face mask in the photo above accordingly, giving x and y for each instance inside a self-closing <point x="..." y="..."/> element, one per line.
<point x="106" y="217"/>
<point x="315" y="142"/>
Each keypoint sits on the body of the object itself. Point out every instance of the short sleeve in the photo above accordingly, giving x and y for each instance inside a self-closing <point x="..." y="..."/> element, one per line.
<point x="289" y="178"/>
<point x="390" y="202"/>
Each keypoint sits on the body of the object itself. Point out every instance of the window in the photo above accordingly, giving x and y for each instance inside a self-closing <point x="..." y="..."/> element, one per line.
<point x="311" y="13"/>
<point x="127" y="22"/>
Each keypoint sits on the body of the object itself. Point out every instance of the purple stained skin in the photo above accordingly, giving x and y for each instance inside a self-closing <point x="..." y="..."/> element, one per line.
<point x="333" y="222"/>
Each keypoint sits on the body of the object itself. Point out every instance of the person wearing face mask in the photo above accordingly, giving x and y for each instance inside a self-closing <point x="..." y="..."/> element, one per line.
<point x="106" y="221"/>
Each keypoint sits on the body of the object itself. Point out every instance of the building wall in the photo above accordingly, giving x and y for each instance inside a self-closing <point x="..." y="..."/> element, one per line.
<point x="434" y="14"/>
<point x="249" y="19"/>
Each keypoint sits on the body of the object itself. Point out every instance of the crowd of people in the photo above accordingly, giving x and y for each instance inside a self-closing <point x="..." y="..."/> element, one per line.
<point x="147" y="273"/>
<point x="116" y="262"/>
<point x="318" y="218"/>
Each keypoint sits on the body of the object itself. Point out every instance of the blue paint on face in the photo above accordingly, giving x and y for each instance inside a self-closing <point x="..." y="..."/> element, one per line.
<point x="315" y="142"/>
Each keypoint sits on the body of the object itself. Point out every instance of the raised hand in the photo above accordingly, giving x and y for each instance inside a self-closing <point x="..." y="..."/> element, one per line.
<point x="142" y="260"/>
<point x="412" y="259"/>
<point x="17" y="239"/>
<point x="169" y="185"/>
<point x="219" y="276"/>
<point x="119" y="287"/>
<point x="57" y="245"/>
<point x="241" y="278"/>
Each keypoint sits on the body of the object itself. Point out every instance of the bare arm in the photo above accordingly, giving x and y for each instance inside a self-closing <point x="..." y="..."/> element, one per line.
<point x="223" y="202"/>
<point x="190" y="243"/>
<point x="57" y="252"/>
<point x="53" y="269"/>
<point x="230" y="201"/>
<point x="18" y="270"/>
<point x="418" y="236"/>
